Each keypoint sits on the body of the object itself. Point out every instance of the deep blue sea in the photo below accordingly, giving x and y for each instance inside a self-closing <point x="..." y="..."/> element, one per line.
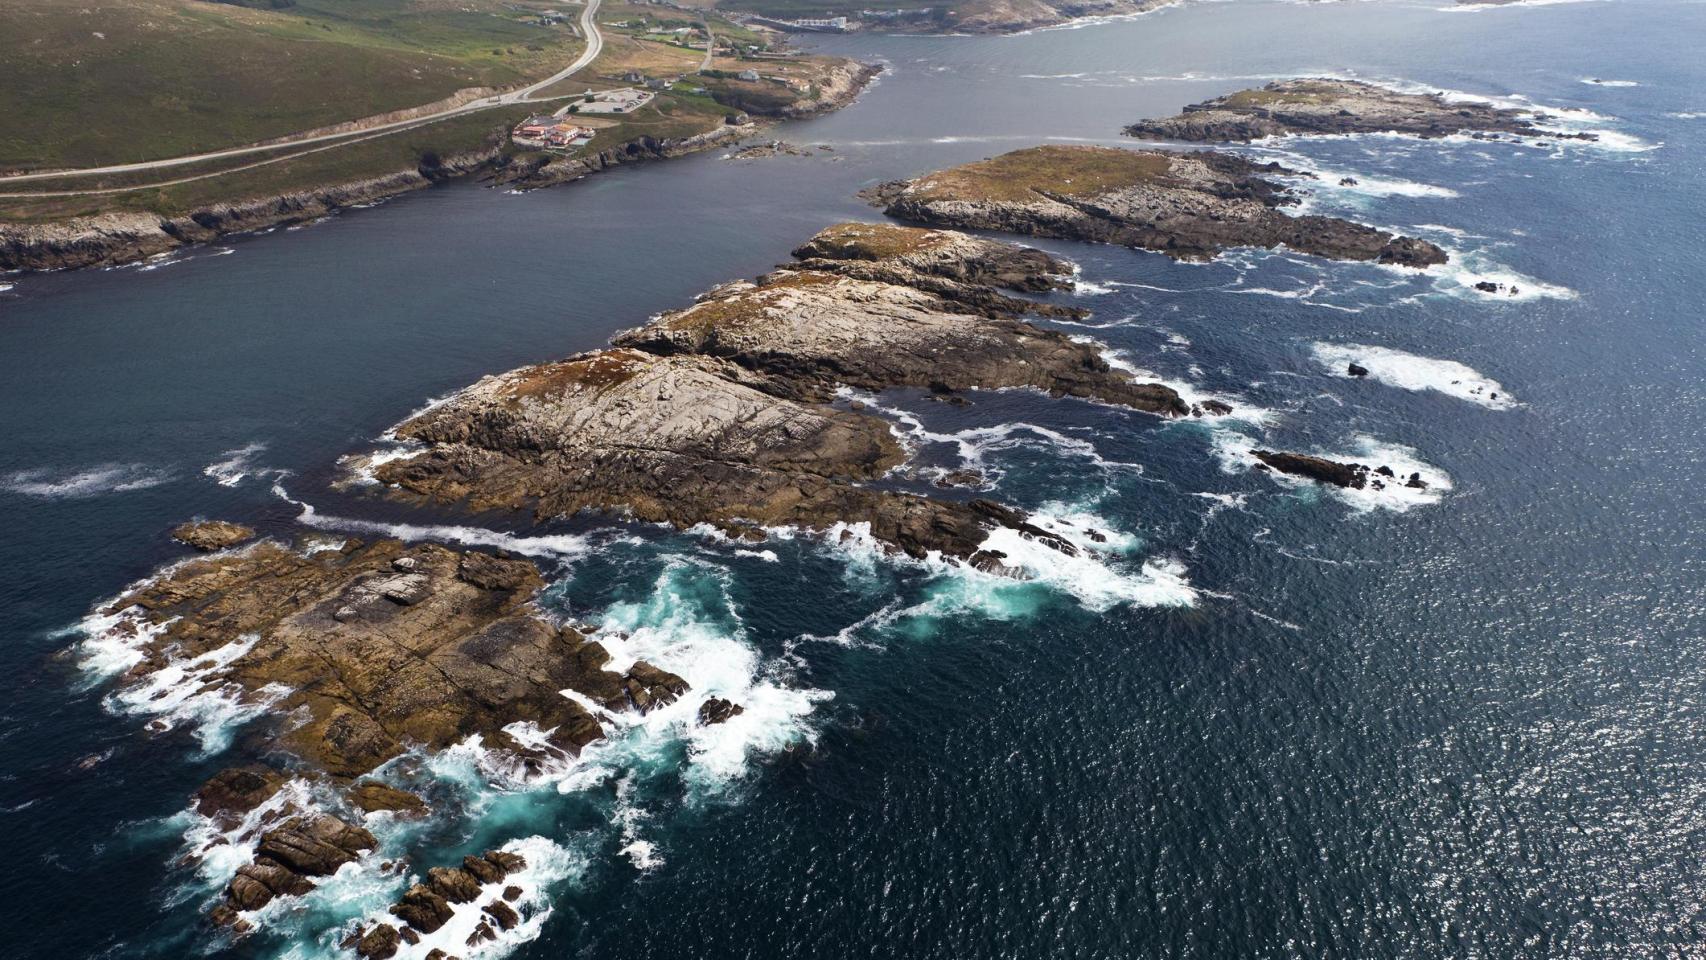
<point x="1263" y="720"/>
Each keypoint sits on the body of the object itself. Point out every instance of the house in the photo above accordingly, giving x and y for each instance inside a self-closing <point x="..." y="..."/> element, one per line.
<point x="748" y="74"/>
<point x="536" y="127"/>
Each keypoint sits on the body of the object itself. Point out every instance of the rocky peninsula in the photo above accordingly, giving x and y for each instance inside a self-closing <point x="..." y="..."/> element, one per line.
<point x="1190" y="206"/>
<point x="1336" y="107"/>
<point x="725" y="412"/>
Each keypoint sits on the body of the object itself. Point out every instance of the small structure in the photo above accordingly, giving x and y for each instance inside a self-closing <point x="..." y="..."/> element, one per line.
<point x="569" y="135"/>
<point x="748" y="74"/>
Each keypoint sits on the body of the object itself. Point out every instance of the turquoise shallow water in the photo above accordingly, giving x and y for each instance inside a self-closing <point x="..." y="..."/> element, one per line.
<point x="1267" y="721"/>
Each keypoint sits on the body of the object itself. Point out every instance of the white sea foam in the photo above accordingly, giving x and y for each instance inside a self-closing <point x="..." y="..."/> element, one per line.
<point x="1095" y="577"/>
<point x="218" y="849"/>
<point x="689" y="626"/>
<point x="976" y="443"/>
<point x="1596" y="81"/>
<point x="235" y="466"/>
<point x="1483" y="7"/>
<point x="93" y="481"/>
<point x="1243" y="410"/>
<point x="1332" y="179"/>
<point x="1466" y="268"/>
<point x="548" y="864"/>
<point x="558" y="546"/>
<point x="1236" y="454"/>
<point x="193" y="691"/>
<point x="1411" y="372"/>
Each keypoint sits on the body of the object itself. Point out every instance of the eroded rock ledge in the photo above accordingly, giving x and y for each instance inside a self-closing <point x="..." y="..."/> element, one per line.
<point x="1190" y="206"/>
<point x="1324" y="106"/>
<point x="720" y="413"/>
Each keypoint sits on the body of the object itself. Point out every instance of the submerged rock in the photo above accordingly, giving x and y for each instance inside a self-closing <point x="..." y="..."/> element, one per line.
<point x="371" y="796"/>
<point x="1327" y="106"/>
<point x="1190" y="206"/>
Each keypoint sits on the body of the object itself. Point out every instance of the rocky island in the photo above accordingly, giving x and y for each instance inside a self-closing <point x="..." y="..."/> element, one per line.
<point x="1190" y="206"/>
<point x="722" y="413"/>
<point x="1328" y="106"/>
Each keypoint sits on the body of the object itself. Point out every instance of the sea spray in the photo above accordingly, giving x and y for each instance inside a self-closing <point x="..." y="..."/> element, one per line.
<point x="1408" y="371"/>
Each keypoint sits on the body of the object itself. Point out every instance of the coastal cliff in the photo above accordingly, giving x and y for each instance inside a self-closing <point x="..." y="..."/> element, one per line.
<point x="1190" y="206"/>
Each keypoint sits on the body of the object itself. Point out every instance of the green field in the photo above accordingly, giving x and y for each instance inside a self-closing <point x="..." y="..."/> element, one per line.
<point x="88" y="84"/>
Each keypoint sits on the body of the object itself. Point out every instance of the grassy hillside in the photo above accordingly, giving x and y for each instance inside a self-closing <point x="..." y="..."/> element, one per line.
<point x="92" y="82"/>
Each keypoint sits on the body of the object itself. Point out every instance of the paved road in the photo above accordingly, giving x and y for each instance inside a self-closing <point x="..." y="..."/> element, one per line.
<point x="594" y="45"/>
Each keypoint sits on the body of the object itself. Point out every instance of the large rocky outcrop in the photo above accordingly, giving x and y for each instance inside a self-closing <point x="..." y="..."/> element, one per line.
<point x="1187" y="205"/>
<point x="373" y="647"/>
<point x="1324" y="106"/>
<point x="720" y="413"/>
<point x="683" y="440"/>
<point x="876" y="306"/>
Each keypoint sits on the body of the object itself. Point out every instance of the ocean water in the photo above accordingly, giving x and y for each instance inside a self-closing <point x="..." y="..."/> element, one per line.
<point x="1261" y="719"/>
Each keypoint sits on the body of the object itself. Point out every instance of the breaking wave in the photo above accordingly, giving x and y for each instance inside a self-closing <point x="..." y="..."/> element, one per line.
<point x="1408" y="371"/>
<point x="1236" y="454"/>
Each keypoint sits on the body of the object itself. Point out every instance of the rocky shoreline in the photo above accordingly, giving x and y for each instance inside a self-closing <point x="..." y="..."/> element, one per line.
<point x="120" y="238"/>
<point x="1319" y="106"/>
<point x="729" y="412"/>
<point x="1190" y="206"/>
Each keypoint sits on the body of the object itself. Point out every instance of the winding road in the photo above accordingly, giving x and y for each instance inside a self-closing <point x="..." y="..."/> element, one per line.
<point x="527" y="94"/>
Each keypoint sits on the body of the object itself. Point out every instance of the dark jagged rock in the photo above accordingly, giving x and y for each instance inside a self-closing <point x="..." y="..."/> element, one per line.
<point x="1357" y="370"/>
<point x="717" y="710"/>
<point x="454" y="884"/>
<point x="427" y="906"/>
<point x="372" y="796"/>
<point x="286" y="862"/>
<point x="380" y="943"/>
<point x="423" y="909"/>
<point x="502" y="914"/>
<point x="1319" y="469"/>
<point x="1326" y="106"/>
<point x="210" y="535"/>
<point x="237" y="790"/>
<point x="1190" y="206"/>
